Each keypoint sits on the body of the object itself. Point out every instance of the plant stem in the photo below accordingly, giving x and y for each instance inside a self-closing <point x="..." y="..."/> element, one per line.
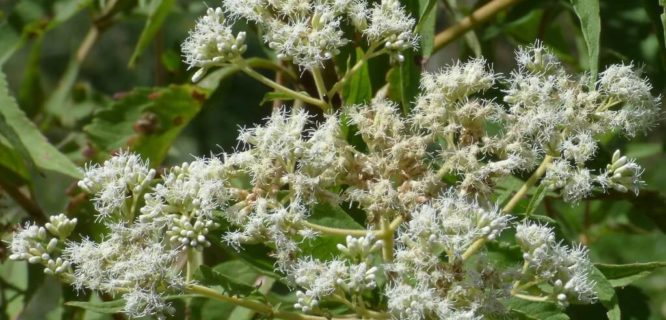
<point x="270" y="83"/>
<point x="332" y="231"/>
<point x="368" y="54"/>
<point x="477" y="17"/>
<point x="533" y="179"/>
<point x="387" y="237"/>
<point x="319" y="82"/>
<point x="530" y="298"/>
<point x="253" y="305"/>
<point x="192" y="265"/>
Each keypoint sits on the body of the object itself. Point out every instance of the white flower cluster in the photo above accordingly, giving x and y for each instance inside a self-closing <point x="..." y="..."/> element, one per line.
<point x="426" y="288"/>
<point x="44" y="245"/>
<point x="212" y="43"/>
<point x="131" y="262"/>
<point x="307" y="32"/>
<point x="322" y="279"/>
<point x="185" y="201"/>
<point x="548" y="261"/>
<point x="558" y="114"/>
<point x="423" y="179"/>
<point x="116" y="182"/>
<point x="549" y="113"/>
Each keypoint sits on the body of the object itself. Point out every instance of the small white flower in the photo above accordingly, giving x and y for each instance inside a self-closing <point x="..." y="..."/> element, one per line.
<point x="118" y="179"/>
<point x="212" y="43"/>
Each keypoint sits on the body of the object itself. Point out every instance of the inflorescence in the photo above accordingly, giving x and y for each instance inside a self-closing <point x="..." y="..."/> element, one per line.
<point x="425" y="180"/>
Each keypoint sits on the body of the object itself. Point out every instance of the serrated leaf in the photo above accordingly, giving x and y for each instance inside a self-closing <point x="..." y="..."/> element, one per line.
<point x="621" y="275"/>
<point x="588" y="14"/>
<point x="146" y="121"/>
<point x="106" y="307"/>
<point x="43" y="154"/>
<point x="529" y="310"/>
<point x="159" y="10"/>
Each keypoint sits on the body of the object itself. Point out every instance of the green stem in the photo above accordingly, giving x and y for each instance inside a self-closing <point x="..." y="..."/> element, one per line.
<point x="531" y="298"/>
<point x="193" y="262"/>
<point x="253" y="305"/>
<point x="387" y="237"/>
<point x="368" y="55"/>
<point x="270" y="83"/>
<point x="533" y="179"/>
<point x="319" y="82"/>
<point x="332" y="231"/>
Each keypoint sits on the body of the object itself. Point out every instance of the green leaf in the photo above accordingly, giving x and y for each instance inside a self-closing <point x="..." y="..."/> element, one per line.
<point x="359" y="88"/>
<point x="605" y="293"/>
<point x="146" y="120"/>
<point x="663" y="17"/>
<point x="43" y="154"/>
<point x="106" y="307"/>
<point x="8" y="132"/>
<point x="159" y="10"/>
<point x="621" y="275"/>
<point x="11" y="40"/>
<point x="329" y="215"/>
<point x="529" y="310"/>
<point x="643" y="150"/>
<point x="588" y="14"/>
<point x="258" y="257"/>
<point x="426" y="26"/>
<point x="403" y="80"/>
<point x="211" y="277"/>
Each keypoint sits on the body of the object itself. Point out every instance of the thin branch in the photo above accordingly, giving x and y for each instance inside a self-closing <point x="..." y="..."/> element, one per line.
<point x="29" y="205"/>
<point x="477" y="17"/>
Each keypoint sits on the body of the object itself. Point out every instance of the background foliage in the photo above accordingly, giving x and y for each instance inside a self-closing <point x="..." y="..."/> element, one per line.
<point x="84" y="78"/>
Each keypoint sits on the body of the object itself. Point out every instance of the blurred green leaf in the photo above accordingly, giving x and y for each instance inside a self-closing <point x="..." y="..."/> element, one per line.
<point x="403" y="80"/>
<point x="106" y="307"/>
<point x="11" y="40"/>
<point x="528" y="310"/>
<point x="605" y="294"/>
<point x="359" y="88"/>
<point x="588" y="14"/>
<point x="643" y="150"/>
<point x="159" y="10"/>
<point x="44" y="155"/>
<point x="329" y="215"/>
<point x="620" y="275"/>
<point x="45" y="302"/>
<point x="212" y="277"/>
<point x="426" y="26"/>
<point x="146" y="121"/>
